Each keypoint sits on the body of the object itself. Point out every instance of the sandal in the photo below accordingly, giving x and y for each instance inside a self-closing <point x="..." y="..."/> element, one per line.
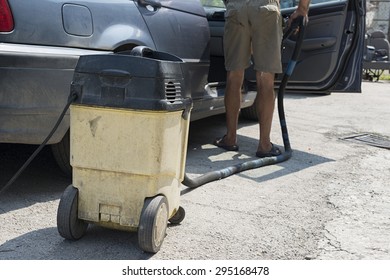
<point x="275" y="151"/>
<point x="219" y="142"/>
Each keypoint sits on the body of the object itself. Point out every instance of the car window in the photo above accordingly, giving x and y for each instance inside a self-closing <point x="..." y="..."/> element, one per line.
<point x="213" y="3"/>
<point x="283" y="3"/>
<point x="293" y="3"/>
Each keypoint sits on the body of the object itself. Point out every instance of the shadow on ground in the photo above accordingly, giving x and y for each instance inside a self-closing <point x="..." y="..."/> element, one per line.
<point x="98" y="244"/>
<point x="203" y="156"/>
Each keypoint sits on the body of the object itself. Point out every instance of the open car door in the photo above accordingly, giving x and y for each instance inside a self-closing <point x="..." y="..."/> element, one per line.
<point x="332" y="49"/>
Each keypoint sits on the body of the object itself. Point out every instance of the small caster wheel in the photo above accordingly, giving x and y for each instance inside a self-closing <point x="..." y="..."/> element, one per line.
<point x="153" y="224"/>
<point x="178" y="217"/>
<point x="69" y="226"/>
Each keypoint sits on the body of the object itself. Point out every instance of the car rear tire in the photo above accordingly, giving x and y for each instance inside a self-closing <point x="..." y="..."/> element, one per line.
<point x="61" y="153"/>
<point x="250" y="113"/>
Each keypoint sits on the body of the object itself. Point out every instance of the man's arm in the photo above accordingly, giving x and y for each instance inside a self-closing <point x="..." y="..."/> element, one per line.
<point x="302" y="10"/>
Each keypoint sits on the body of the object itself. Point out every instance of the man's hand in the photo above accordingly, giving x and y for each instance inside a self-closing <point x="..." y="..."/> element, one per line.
<point x="302" y="10"/>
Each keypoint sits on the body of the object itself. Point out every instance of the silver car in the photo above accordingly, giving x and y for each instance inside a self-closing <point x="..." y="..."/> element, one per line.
<point x="41" y="41"/>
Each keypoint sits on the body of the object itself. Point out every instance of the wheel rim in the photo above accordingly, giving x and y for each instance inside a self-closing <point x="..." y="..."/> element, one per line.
<point x="160" y="224"/>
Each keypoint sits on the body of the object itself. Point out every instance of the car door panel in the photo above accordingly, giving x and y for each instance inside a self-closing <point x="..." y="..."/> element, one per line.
<point x="332" y="39"/>
<point x="319" y="54"/>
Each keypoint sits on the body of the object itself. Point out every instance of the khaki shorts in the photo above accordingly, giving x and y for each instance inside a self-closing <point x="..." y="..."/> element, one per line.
<point x="253" y="25"/>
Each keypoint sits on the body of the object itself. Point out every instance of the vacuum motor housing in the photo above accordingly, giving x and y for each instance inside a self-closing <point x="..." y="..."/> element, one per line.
<point x="141" y="79"/>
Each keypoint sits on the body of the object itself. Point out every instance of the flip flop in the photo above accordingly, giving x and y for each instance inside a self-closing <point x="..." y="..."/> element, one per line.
<point x="220" y="143"/>
<point x="275" y="151"/>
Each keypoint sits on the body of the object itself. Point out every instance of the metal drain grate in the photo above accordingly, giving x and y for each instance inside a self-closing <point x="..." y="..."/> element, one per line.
<point x="370" y="139"/>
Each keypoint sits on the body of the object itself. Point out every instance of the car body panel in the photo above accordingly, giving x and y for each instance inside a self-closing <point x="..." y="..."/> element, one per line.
<point x="42" y="77"/>
<point x="175" y="21"/>
<point x="47" y="23"/>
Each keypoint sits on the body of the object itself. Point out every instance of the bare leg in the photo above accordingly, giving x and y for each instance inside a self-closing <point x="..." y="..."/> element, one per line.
<point x="265" y="104"/>
<point x="233" y="104"/>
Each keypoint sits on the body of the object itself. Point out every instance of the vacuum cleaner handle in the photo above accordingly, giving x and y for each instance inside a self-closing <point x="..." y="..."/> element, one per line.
<point x="298" y="26"/>
<point x="295" y="27"/>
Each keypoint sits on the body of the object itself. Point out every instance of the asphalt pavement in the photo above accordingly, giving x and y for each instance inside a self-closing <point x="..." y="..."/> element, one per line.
<point x="331" y="200"/>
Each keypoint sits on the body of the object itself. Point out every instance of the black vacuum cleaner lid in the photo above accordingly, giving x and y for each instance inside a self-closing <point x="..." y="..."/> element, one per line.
<point x="124" y="80"/>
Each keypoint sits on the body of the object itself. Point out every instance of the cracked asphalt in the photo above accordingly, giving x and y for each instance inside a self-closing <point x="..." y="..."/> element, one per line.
<point x="330" y="201"/>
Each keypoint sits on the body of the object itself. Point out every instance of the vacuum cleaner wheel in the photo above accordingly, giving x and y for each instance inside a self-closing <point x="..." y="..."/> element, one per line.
<point x="178" y="217"/>
<point x="153" y="224"/>
<point x="69" y="225"/>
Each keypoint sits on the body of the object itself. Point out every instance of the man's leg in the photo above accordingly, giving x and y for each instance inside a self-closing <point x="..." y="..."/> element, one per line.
<point x="232" y="104"/>
<point x="265" y="104"/>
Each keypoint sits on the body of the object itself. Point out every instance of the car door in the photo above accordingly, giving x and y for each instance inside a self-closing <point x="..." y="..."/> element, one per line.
<point x="332" y="48"/>
<point x="180" y="27"/>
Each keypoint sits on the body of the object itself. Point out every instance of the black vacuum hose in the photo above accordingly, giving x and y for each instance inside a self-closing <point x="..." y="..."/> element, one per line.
<point x="299" y="25"/>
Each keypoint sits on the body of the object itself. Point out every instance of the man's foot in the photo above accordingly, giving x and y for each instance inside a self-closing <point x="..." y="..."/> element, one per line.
<point x="220" y="142"/>
<point x="275" y="151"/>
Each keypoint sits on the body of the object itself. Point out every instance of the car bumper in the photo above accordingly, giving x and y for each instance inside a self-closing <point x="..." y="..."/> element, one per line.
<point x="35" y="85"/>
